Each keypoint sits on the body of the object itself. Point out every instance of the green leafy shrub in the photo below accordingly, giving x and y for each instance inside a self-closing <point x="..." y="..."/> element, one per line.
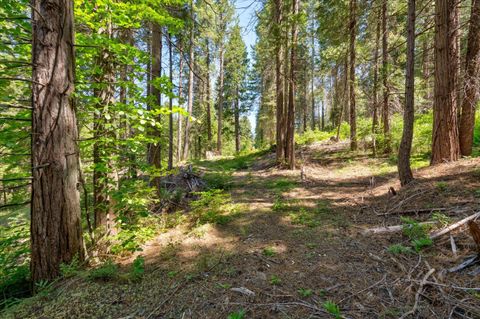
<point x="14" y="261"/>
<point x="279" y="204"/>
<point x="107" y="271"/>
<point x="305" y="292"/>
<point x="131" y="237"/>
<point x="237" y="315"/>
<point x="399" y="249"/>
<point x="213" y="206"/>
<point x="269" y="251"/>
<point x="419" y="244"/>
<point x="412" y="229"/>
<point x="281" y="185"/>
<point x="332" y="308"/>
<point x="305" y="217"/>
<point x="441" y="186"/>
<point x="219" y="180"/>
<point x="275" y="280"/>
<point x="417" y="233"/>
<point x="309" y="137"/>
<point x="138" y="268"/>
<point x="71" y="269"/>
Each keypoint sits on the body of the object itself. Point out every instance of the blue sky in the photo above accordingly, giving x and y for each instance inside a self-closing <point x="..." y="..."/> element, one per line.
<point x="246" y="15"/>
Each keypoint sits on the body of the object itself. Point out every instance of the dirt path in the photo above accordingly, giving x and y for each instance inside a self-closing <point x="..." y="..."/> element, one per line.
<point x="296" y="247"/>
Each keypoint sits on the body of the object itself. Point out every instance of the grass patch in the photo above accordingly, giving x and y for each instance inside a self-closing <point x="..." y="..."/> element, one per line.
<point x="397" y="249"/>
<point x="281" y="185"/>
<point x="105" y="272"/>
<point x="269" y="252"/>
<point x="213" y="207"/>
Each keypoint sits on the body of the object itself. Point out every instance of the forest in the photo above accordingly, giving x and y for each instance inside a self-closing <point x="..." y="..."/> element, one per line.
<point x="239" y="159"/>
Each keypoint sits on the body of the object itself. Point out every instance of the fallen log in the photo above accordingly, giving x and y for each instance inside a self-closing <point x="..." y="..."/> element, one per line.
<point x="414" y="211"/>
<point x="454" y="226"/>
<point x="388" y="229"/>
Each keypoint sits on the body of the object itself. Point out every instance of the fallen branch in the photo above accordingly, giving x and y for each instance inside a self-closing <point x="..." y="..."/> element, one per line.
<point x="417" y="295"/>
<point x="388" y="229"/>
<point x="465" y="264"/>
<point x="414" y="211"/>
<point x="448" y="229"/>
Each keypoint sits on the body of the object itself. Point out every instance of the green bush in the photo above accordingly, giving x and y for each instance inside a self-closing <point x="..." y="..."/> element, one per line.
<point x="417" y="233"/>
<point x="71" y="269"/>
<point x="107" y="271"/>
<point x="213" y="206"/>
<point x="14" y="261"/>
<point x="332" y="308"/>
<point x="422" y="138"/>
<point x="138" y="268"/>
<point x="399" y="249"/>
<point x="131" y="237"/>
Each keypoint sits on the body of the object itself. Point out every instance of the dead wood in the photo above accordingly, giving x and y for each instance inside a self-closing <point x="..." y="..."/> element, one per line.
<point x="415" y="211"/>
<point x="418" y="294"/>
<point x="454" y="226"/>
<point x="388" y="229"/>
<point x="475" y="232"/>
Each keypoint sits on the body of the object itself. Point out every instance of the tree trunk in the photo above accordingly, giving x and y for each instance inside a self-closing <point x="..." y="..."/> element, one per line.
<point x="154" y="149"/>
<point x="103" y="176"/>
<point x="353" y="115"/>
<point x="186" y="141"/>
<point x="170" y="116"/>
<point x="323" y="114"/>
<point x="386" y="93"/>
<point x="375" y="84"/>
<point x="445" y="146"/>
<point x="279" y="86"/>
<point x="220" y="103"/>
<point x="209" y="102"/>
<point x="180" y="103"/>
<point x="404" y="170"/>
<point x="286" y="88"/>
<point x="426" y="60"/>
<point x="471" y="84"/>
<point x="237" y="122"/>
<point x="312" y="81"/>
<point x="291" y="93"/>
<point x="55" y="230"/>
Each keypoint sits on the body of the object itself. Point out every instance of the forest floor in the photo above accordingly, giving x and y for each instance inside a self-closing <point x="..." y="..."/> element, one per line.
<point x="295" y="249"/>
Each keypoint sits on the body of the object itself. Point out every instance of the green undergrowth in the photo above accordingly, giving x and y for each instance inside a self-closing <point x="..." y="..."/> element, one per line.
<point x="14" y="259"/>
<point x="321" y="214"/>
<point x="214" y="206"/>
<point x="421" y="144"/>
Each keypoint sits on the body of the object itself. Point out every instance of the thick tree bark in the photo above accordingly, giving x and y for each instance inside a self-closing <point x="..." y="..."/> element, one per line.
<point x="404" y="170"/>
<point x="291" y="93"/>
<point x="386" y="91"/>
<point x="186" y="142"/>
<point x="279" y="87"/>
<point x="445" y="146"/>
<point x="472" y="82"/>
<point x="170" y="104"/>
<point x="154" y="149"/>
<point x="55" y="230"/>
<point x="353" y="115"/>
